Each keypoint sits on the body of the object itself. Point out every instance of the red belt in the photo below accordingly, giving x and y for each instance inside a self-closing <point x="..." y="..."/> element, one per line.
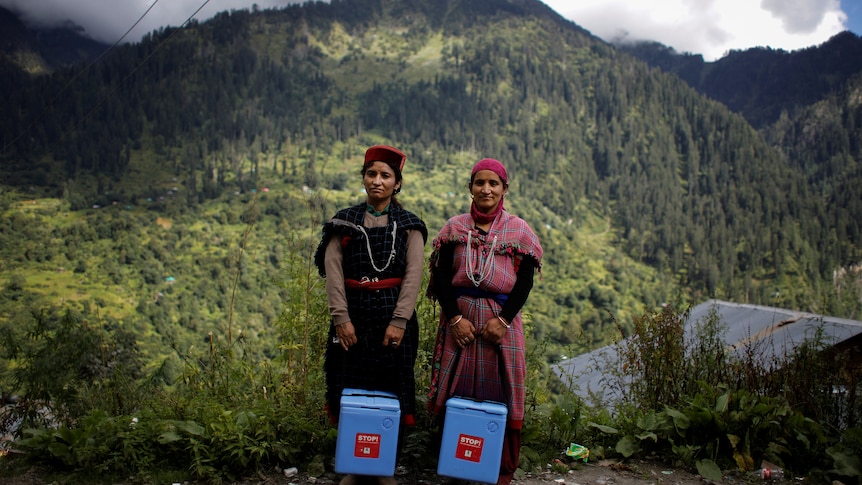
<point x="372" y="285"/>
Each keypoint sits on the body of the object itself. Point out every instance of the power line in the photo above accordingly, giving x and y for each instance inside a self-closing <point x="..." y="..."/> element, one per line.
<point x="92" y="63"/>
<point x="103" y="54"/>
<point x="80" y="73"/>
<point x="140" y="64"/>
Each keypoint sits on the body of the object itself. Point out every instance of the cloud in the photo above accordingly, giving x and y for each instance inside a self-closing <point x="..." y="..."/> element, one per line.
<point x="108" y="20"/>
<point x="708" y="27"/>
<point x="799" y="16"/>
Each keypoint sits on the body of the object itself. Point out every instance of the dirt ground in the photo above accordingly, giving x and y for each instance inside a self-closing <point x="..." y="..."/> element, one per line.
<point x="600" y="472"/>
<point x="603" y="472"/>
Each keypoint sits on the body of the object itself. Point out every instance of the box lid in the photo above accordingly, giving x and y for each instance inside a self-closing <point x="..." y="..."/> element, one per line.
<point x="358" y="398"/>
<point x="349" y="391"/>
<point x="490" y="407"/>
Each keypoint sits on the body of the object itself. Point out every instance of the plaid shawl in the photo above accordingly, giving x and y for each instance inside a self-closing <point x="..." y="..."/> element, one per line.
<point x="481" y="370"/>
<point x="346" y="221"/>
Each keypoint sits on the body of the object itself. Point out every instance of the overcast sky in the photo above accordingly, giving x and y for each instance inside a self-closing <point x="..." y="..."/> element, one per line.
<point x="708" y="27"/>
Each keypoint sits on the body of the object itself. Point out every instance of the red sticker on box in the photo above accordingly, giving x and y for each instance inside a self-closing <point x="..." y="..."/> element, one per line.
<point x="469" y="448"/>
<point x="367" y="446"/>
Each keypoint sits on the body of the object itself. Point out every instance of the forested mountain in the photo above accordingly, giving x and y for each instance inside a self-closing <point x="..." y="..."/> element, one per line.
<point x="762" y="83"/>
<point x="132" y="189"/>
<point x="41" y="50"/>
<point x="806" y="103"/>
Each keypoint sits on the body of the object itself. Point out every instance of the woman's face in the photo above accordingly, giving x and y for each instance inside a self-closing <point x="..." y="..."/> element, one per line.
<point x="380" y="183"/>
<point x="487" y="190"/>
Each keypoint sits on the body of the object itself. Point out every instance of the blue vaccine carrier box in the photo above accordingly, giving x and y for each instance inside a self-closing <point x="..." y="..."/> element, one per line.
<point x="472" y="440"/>
<point x="367" y="439"/>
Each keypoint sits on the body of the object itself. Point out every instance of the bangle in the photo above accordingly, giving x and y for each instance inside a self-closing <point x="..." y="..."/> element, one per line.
<point x="456" y="321"/>
<point x="503" y="321"/>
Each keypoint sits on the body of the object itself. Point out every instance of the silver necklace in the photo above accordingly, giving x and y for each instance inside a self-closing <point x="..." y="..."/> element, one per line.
<point x="478" y="271"/>
<point x="391" y="253"/>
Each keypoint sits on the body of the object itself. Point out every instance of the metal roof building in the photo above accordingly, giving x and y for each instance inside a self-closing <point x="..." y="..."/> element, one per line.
<point x="774" y="332"/>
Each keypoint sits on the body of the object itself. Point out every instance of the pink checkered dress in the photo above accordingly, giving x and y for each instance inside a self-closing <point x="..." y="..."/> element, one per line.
<point x="481" y="370"/>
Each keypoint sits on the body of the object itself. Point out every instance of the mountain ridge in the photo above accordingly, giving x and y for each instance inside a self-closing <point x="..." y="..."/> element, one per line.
<point x="40" y="50"/>
<point x="639" y="185"/>
<point x="760" y="83"/>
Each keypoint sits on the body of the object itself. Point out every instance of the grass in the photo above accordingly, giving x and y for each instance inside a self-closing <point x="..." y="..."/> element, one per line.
<point x="199" y="245"/>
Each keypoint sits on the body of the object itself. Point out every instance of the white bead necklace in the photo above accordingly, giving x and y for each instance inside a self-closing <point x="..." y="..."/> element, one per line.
<point x="480" y="270"/>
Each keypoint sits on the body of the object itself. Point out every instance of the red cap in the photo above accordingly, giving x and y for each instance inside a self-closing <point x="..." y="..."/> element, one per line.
<point x="391" y="156"/>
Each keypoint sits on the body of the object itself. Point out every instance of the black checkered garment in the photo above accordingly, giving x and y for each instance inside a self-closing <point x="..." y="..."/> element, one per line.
<point x="370" y="365"/>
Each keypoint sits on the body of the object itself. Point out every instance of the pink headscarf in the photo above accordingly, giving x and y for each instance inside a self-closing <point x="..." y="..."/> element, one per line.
<point x="498" y="168"/>
<point x="492" y="165"/>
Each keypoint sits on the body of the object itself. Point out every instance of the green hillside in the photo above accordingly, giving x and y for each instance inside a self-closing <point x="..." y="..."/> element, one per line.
<point x="159" y="210"/>
<point x="224" y="144"/>
<point x="763" y="84"/>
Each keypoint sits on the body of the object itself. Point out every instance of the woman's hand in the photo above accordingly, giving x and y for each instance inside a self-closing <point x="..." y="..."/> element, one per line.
<point x="494" y="330"/>
<point x="463" y="331"/>
<point x="393" y="337"/>
<point x="346" y="335"/>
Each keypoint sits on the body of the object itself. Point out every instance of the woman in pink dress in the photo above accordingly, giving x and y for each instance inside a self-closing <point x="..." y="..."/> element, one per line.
<point x="482" y="265"/>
